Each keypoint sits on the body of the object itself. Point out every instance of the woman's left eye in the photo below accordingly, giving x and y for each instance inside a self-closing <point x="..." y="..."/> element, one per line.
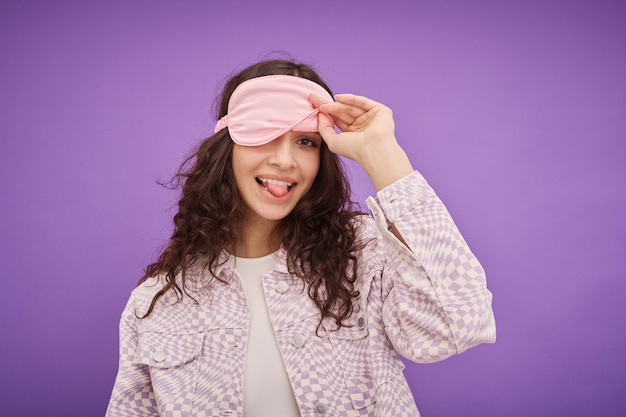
<point x="307" y="142"/>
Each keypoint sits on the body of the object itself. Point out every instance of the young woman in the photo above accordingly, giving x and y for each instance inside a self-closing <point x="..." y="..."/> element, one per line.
<point x="274" y="297"/>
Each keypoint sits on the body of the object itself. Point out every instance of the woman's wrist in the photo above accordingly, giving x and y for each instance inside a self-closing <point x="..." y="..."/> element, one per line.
<point x="385" y="164"/>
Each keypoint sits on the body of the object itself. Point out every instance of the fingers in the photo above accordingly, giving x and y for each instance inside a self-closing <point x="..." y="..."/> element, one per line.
<point x="347" y="117"/>
<point x="325" y="125"/>
<point x="344" y="111"/>
<point x="360" y="102"/>
<point x="351" y="113"/>
<point x="351" y="110"/>
<point x="355" y="104"/>
<point x="317" y="100"/>
<point x="340" y="112"/>
<point x="344" y="115"/>
<point x="326" y="129"/>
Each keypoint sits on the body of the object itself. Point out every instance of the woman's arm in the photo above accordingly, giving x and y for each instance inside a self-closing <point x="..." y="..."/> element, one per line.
<point x="132" y="392"/>
<point x="368" y="137"/>
<point x="434" y="291"/>
<point x="435" y="298"/>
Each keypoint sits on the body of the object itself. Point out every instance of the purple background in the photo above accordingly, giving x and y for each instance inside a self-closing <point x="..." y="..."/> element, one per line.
<point x="514" y="111"/>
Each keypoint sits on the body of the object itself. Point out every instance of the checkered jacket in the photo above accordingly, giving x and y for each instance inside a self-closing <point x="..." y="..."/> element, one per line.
<point x="425" y="302"/>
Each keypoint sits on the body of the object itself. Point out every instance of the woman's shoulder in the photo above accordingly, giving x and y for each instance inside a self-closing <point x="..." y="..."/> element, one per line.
<point x="166" y="310"/>
<point x="366" y="227"/>
<point x="149" y="287"/>
<point x="370" y="240"/>
<point x="142" y="296"/>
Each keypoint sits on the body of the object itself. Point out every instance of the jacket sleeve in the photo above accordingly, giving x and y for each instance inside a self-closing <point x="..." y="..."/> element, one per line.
<point x="132" y="392"/>
<point x="435" y="297"/>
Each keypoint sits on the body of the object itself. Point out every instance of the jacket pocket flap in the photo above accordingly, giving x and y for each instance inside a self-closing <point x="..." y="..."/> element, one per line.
<point x="165" y="350"/>
<point x="355" y="329"/>
<point x="362" y="391"/>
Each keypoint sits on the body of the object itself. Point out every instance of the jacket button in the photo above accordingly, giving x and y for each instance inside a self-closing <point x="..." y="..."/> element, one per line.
<point x="282" y="287"/>
<point x="361" y="323"/>
<point x="298" y="340"/>
<point x="321" y="408"/>
<point x="158" y="356"/>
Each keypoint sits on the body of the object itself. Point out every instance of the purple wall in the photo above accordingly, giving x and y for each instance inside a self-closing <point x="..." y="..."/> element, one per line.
<point x="515" y="112"/>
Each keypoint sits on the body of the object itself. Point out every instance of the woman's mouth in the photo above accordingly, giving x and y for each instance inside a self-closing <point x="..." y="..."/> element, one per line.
<point x="277" y="188"/>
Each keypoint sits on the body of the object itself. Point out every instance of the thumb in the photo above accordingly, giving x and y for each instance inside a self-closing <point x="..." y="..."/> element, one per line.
<point x="326" y="127"/>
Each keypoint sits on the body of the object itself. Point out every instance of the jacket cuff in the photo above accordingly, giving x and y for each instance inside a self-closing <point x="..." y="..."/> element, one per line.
<point x="400" y="197"/>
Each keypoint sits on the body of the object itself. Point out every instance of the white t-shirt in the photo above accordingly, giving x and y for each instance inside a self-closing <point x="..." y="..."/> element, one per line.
<point x="267" y="390"/>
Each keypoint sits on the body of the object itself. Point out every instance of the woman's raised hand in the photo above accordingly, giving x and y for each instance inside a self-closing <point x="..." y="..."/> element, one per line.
<point x="367" y="136"/>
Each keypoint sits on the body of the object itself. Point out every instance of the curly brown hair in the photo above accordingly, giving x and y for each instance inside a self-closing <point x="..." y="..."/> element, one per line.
<point x="320" y="234"/>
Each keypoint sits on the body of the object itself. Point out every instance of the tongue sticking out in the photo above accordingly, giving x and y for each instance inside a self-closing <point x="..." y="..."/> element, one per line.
<point x="276" y="190"/>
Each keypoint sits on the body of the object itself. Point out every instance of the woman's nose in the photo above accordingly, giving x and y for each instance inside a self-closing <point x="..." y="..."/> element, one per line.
<point x="282" y="154"/>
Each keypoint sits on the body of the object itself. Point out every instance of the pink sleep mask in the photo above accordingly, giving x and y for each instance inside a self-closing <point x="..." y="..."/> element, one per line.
<point x="264" y="108"/>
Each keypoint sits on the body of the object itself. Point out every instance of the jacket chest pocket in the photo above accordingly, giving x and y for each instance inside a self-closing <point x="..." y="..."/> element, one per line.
<point x="351" y="347"/>
<point x="173" y="365"/>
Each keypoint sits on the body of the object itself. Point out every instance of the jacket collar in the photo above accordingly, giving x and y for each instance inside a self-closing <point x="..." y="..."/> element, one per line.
<point x="197" y="277"/>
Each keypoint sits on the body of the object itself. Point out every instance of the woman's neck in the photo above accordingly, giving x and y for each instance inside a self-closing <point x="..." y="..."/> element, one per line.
<point x="257" y="239"/>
